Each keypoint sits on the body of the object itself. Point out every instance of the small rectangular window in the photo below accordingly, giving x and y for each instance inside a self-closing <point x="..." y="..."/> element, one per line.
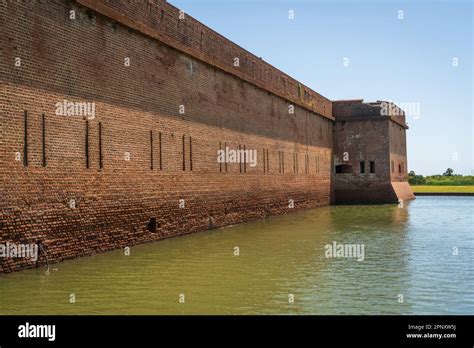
<point x="152" y="225"/>
<point x="393" y="166"/>
<point x="372" y="167"/>
<point x="362" y="167"/>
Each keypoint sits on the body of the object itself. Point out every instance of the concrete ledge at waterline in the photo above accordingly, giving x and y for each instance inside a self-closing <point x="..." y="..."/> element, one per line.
<point x="443" y="190"/>
<point x="444" y="193"/>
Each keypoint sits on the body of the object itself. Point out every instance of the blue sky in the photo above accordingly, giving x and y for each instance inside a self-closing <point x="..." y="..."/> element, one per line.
<point x="407" y="60"/>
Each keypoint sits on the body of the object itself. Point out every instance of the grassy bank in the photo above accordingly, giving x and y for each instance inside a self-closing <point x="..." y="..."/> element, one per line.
<point x="442" y="188"/>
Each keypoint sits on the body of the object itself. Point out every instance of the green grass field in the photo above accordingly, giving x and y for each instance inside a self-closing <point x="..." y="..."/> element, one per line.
<point x="436" y="189"/>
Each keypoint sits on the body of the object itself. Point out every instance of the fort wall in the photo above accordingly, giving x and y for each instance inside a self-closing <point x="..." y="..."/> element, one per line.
<point x="145" y="166"/>
<point x="370" y="153"/>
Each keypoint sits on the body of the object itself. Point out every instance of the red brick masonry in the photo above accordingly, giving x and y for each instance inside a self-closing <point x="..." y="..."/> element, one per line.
<point x="145" y="166"/>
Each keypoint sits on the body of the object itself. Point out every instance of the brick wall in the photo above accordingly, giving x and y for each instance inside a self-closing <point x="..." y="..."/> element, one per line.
<point x="398" y="153"/>
<point x="159" y="19"/>
<point x="362" y="141"/>
<point x="79" y="195"/>
<point x="363" y="134"/>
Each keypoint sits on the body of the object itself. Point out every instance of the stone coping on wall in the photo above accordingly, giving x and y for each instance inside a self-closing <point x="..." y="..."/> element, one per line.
<point x="356" y="110"/>
<point x="255" y="71"/>
<point x="371" y="118"/>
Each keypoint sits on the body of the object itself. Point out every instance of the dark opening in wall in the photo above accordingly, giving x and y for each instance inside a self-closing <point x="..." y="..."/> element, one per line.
<point x="225" y="163"/>
<point x="25" y="139"/>
<point x="220" y="162"/>
<point x="245" y="160"/>
<point x="86" y="150"/>
<point x="279" y="162"/>
<point x="240" y="159"/>
<point x="43" y="140"/>
<point x="200" y="41"/>
<point x="101" y="165"/>
<point x="151" y="149"/>
<point x="268" y="162"/>
<point x="372" y="167"/>
<point x="190" y="153"/>
<point x="161" y="154"/>
<point x="362" y="167"/>
<point x="152" y="225"/>
<point x="282" y="162"/>
<point x="184" y="153"/>
<point x="264" y="161"/>
<point x="344" y="169"/>
<point x="90" y="16"/>
<point x="399" y="168"/>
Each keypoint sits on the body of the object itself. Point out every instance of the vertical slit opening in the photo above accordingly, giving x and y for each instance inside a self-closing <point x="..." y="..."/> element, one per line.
<point x="161" y="156"/>
<point x="151" y="149"/>
<point x="25" y="139"/>
<point x="184" y="154"/>
<point x="268" y="162"/>
<point x="225" y="162"/>
<point x="43" y="139"/>
<point x="220" y="152"/>
<point x="87" y="144"/>
<point x="190" y="153"/>
<point x="240" y="159"/>
<point x="279" y="162"/>
<point x="283" y="162"/>
<point x="200" y="41"/>
<point x="100" y="146"/>
<point x="245" y="160"/>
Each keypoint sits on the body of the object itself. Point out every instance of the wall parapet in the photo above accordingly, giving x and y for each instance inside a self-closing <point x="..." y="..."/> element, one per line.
<point x="161" y="21"/>
<point x="357" y="110"/>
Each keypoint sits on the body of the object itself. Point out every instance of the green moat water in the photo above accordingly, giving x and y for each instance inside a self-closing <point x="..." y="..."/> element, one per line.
<point x="407" y="251"/>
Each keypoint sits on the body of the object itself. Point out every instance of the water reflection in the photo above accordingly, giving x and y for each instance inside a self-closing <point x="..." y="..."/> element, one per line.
<point x="408" y="251"/>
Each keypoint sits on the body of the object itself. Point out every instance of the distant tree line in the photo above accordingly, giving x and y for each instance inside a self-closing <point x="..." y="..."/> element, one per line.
<point x="448" y="178"/>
